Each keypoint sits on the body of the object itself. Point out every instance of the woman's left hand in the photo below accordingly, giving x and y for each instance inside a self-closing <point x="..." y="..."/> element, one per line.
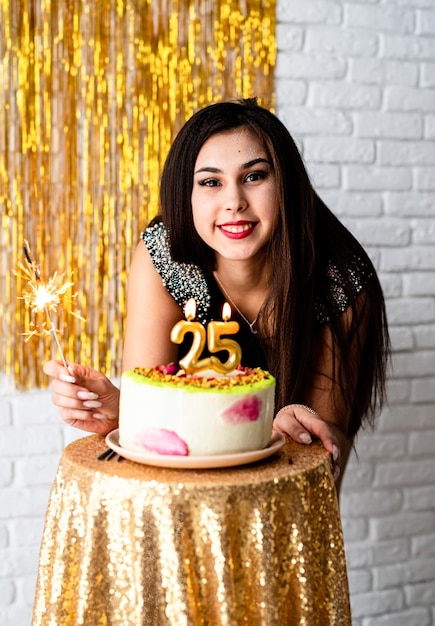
<point x="303" y="424"/>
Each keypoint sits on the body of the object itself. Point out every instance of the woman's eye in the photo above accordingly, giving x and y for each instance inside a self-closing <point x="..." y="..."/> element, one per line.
<point x="253" y="177"/>
<point x="209" y="182"/>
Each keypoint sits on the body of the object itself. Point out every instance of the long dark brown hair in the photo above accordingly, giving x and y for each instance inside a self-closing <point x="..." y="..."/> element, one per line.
<point x="307" y="238"/>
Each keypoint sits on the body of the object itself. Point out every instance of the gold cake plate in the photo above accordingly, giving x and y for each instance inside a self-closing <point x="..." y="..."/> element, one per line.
<point x="195" y="462"/>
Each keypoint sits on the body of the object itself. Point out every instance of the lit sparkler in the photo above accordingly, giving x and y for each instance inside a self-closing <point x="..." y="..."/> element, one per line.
<point x="44" y="297"/>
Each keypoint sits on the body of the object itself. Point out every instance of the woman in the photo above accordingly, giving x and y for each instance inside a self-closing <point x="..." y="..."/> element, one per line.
<point x="241" y="222"/>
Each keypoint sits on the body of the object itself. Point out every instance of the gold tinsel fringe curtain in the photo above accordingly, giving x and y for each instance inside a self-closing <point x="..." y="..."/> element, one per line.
<point x="91" y="94"/>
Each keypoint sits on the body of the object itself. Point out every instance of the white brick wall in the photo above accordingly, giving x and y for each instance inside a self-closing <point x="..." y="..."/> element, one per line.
<point x="356" y="85"/>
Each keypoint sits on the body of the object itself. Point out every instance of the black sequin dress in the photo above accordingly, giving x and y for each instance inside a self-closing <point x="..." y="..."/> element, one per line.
<point x="184" y="281"/>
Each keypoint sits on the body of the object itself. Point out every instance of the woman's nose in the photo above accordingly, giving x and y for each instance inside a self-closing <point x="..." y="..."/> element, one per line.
<point x="235" y="199"/>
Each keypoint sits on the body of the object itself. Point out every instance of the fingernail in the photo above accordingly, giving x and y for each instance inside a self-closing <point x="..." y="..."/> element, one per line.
<point x="87" y="395"/>
<point x="67" y="379"/>
<point x="335" y="452"/>
<point x="336" y="472"/>
<point x="101" y="416"/>
<point x="305" y="438"/>
<point x="92" y="404"/>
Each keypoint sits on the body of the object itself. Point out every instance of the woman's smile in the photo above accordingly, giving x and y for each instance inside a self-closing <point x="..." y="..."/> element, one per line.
<point x="237" y="230"/>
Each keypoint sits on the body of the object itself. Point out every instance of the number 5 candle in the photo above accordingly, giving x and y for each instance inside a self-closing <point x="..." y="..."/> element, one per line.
<point x="216" y="343"/>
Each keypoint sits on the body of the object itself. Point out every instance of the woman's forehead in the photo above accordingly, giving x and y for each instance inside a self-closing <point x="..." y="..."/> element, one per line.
<point x="241" y="141"/>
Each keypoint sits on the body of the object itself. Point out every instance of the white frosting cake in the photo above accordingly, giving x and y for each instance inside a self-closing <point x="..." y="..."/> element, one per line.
<point x="196" y="415"/>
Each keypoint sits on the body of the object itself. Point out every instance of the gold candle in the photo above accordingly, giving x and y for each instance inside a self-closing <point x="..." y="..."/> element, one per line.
<point x="192" y="363"/>
<point x="216" y="343"/>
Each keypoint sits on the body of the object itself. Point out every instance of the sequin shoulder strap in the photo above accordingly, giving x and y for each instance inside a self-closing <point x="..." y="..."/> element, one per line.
<point x="341" y="287"/>
<point x="182" y="280"/>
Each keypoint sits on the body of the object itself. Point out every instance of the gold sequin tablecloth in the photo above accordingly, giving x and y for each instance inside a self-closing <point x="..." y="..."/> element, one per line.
<point x="133" y="545"/>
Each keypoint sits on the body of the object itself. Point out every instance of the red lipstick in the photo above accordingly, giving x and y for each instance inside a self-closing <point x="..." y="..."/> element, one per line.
<point x="237" y="230"/>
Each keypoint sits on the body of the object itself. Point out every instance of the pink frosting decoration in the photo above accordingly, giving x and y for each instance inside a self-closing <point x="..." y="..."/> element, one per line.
<point x="242" y="411"/>
<point x="162" y="441"/>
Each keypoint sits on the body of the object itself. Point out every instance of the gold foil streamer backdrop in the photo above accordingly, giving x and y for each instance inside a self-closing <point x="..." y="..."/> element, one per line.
<point x="91" y="94"/>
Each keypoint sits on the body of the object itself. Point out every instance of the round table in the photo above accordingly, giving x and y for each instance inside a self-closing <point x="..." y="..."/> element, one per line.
<point x="136" y="545"/>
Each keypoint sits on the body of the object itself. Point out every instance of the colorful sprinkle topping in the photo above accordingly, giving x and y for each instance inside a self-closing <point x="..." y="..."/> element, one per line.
<point x="247" y="376"/>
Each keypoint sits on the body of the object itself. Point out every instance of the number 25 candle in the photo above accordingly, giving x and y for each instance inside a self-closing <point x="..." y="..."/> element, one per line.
<point x="191" y="363"/>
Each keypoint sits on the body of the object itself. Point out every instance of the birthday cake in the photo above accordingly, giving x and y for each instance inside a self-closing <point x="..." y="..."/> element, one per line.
<point x="165" y="411"/>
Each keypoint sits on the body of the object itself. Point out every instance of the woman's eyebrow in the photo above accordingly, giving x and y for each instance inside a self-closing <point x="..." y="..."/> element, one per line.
<point x="245" y="166"/>
<point x="254" y="162"/>
<point x="209" y="168"/>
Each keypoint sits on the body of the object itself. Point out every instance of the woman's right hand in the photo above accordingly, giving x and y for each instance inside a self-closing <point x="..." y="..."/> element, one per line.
<point x="86" y="398"/>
